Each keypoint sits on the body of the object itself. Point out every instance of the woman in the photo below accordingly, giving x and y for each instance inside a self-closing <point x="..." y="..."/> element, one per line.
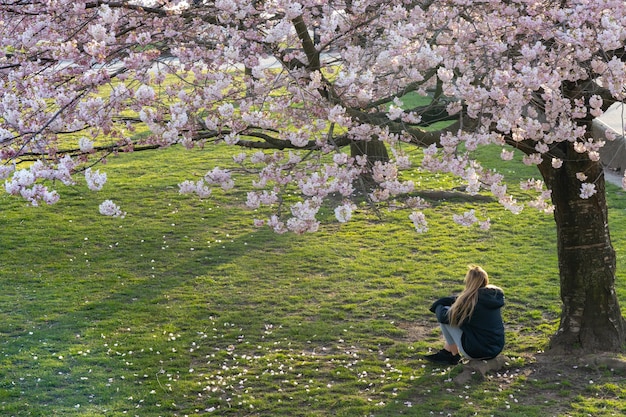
<point x="471" y="322"/>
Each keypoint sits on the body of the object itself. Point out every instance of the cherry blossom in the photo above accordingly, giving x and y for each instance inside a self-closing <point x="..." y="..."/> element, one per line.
<point x="95" y="179"/>
<point x="587" y="190"/>
<point x="557" y="163"/>
<point x="109" y="208"/>
<point x="506" y="155"/>
<point x="240" y="78"/>
<point x="219" y="177"/>
<point x="199" y="187"/>
<point x="466" y="219"/>
<point x="85" y="144"/>
<point x="343" y="213"/>
<point x="419" y="221"/>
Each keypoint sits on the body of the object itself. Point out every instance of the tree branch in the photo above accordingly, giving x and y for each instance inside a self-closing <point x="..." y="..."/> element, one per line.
<point x="312" y="55"/>
<point x="124" y="5"/>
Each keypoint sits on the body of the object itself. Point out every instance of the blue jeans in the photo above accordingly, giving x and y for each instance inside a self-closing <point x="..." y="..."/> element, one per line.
<point x="453" y="337"/>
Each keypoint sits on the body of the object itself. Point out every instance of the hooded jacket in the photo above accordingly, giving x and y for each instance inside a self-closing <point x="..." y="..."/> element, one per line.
<point x="483" y="332"/>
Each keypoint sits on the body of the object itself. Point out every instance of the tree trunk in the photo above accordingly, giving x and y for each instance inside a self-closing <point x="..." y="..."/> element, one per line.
<point x="590" y="319"/>
<point x="374" y="150"/>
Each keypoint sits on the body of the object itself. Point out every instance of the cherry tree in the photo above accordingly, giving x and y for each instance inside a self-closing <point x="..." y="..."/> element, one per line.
<point x="317" y="95"/>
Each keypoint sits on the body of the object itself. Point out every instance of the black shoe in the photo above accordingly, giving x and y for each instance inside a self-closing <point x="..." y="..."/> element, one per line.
<point x="444" y="357"/>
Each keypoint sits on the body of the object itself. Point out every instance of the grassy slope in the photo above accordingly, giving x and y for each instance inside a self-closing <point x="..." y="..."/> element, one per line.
<point x="182" y="308"/>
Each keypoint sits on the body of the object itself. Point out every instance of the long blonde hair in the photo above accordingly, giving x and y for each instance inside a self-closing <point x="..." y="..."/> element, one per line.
<point x="465" y="303"/>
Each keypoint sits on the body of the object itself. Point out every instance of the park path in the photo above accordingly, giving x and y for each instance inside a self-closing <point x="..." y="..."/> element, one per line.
<point x="613" y="154"/>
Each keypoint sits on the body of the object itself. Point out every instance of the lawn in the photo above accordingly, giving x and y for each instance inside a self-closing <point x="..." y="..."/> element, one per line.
<point x="183" y="308"/>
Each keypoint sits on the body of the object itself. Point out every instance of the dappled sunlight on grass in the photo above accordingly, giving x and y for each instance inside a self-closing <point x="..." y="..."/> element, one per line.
<point x="184" y="308"/>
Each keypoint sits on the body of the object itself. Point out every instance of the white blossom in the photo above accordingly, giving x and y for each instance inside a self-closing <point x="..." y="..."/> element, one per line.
<point x="587" y="190"/>
<point x="506" y="155"/>
<point x="145" y="94"/>
<point x="109" y="208"/>
<point x="466" y="219"/>
<point x="419" y="221"/>
<point x="95" y="179"/>
<point x="85" y="144"/>
<point x="343" y="213"/>
<point x="557" y="163"/>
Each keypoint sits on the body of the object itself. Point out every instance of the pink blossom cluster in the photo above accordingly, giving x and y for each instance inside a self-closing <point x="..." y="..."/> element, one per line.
<point x="109" y="208"/>
<point x="419" y="221"/>
<point x="95" y="179"/>
<point x="202" y="188"/>
<point x="24" y="182"/>
<point x="469" y="218"/>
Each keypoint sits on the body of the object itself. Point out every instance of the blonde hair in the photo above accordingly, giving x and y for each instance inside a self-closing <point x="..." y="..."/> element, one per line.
<point x="465" y="303"/>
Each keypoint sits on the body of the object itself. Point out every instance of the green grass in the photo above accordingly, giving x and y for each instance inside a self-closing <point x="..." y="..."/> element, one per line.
<point x="183" y="308"/>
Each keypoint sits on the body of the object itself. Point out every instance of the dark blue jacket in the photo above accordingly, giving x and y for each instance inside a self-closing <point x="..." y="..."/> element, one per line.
<point x="483" y="332"/>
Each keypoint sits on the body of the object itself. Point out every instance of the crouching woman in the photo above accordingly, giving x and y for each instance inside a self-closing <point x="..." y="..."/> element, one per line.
<point x="471" y="322"/>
